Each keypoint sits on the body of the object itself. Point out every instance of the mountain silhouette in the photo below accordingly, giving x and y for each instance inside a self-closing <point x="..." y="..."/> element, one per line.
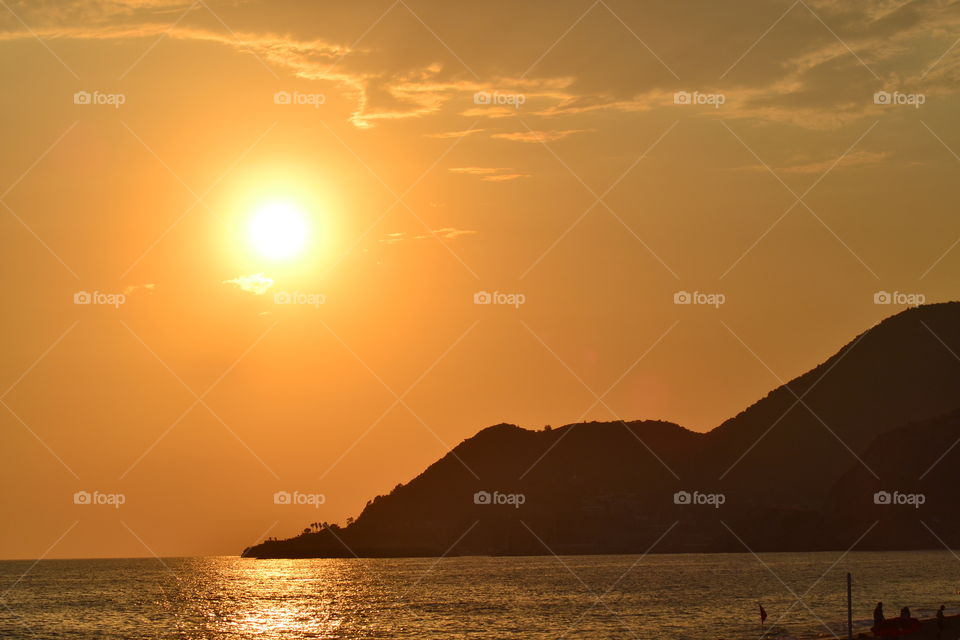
<point x="902" y="370"/>
<point x="797" y="470"/>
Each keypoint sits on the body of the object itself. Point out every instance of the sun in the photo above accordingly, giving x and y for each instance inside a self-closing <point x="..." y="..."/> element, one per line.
<point x="278" y="230"/>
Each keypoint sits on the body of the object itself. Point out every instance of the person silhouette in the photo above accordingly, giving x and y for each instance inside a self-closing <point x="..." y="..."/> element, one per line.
<point x="905" y="613"/>
<point x="940" y="621"/>
<point x="878" y="614"/>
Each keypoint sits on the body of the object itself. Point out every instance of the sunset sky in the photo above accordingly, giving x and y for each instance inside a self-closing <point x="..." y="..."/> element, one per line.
<point x="401" y="159"/>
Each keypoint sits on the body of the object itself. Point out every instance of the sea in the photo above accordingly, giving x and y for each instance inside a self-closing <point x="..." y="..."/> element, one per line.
<point x="694" y="596"/>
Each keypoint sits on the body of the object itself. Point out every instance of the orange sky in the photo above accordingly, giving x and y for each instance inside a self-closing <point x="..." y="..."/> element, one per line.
<point x="586" y="185"/>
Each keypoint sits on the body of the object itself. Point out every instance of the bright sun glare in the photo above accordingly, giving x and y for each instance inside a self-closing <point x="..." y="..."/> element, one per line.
<point x="278" y="230"/>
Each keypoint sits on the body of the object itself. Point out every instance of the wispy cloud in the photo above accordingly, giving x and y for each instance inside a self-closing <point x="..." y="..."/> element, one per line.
<point x="489" y="112"/>
<point x="455" y="134"/>
<point x="445" y="233"/>
<point x="255" y="283"/>
<point x="449" y="233"/>
<point x="853" y="159"/>
<point x="134" y="288"/>
<point x="538" y="136"/>
<point x="393" y="238"/>
<point x="490" y="174"/>
<point x="810" y="79"/>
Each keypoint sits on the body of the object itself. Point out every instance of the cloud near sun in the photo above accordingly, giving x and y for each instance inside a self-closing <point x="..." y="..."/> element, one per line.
<point x="255" y="283"/>
<point x="418" y="59"/>
<point x="446" y="233"/>
<point x="490" y="174"/>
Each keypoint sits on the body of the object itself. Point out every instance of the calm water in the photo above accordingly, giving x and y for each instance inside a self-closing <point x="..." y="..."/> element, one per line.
<point x="663" y="596"/>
